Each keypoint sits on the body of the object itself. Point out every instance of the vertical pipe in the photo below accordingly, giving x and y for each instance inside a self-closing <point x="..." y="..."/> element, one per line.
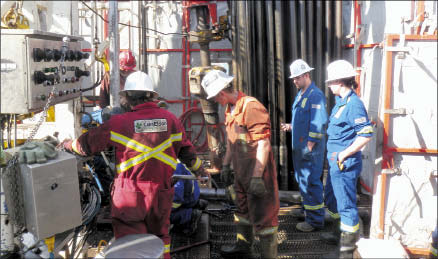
<point x="303" y="28"/>
<point x="293" y="26"/>
<point x="318" y="75"/>
<point x="202" y="15"/>
<point x="209" y="108"/>
<point x="328" y="47"/>
<point x="145" y="39"/>
<point x="310" y="38"/>
<point x="357" y="42"/>
<point x="6" y="227"/>
<point x="261" y="52"/>
<point x="386" y="127"/>
<point x="338" y="29"/>
<point x="280" y="137"/>
<point x="140" y="35"/>
<point x="114" y="53"/>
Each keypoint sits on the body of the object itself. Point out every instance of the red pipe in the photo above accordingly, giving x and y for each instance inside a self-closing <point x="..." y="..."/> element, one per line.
<point x="357" y="23"/>
<point x="183" y="50"/>
<point x="362" y="46"/>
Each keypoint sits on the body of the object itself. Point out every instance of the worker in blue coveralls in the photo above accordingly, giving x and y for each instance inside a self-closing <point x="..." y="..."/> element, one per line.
<point x="309" y="120"/>
<point x="349" y="130"/>
<point x="186" y="207"/>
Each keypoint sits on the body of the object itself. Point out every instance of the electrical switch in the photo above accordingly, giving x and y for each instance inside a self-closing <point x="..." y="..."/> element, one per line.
<point x="48" y="55"/>
<point x="56" y="55"/>
<point x="79" y="73"/>
<point x="38" y="54"/>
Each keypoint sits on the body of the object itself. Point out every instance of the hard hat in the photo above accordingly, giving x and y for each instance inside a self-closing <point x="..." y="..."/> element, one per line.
<point x="339" y="69"/>
<point x="214" y="82"/>
<point x="299" y="67"/>
<point x="139" y="81"/>
<point x="127" y="60"/>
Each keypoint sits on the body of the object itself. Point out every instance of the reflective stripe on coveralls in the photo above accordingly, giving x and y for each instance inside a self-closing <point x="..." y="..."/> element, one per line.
<point x="309" y="119"/>
<point x="248" y="123"/>
<point x="145" y="151"/>
<point x="348" y="120"/>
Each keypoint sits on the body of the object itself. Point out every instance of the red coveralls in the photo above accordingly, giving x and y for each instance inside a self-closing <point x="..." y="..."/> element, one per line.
<point x="148" y="142"/>
<point x="245" y="125"/>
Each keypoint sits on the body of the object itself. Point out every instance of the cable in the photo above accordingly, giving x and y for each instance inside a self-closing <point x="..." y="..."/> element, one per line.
<point x="141" y="27"/>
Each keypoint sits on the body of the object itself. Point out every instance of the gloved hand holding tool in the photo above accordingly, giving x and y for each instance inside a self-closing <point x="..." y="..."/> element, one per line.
<point x="226" y="175"/>
<point x="37" y="151"/>
<point x="257" y="187"/>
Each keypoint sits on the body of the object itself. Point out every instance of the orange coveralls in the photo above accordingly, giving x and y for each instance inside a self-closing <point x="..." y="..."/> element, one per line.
<point x="245" y="125"/>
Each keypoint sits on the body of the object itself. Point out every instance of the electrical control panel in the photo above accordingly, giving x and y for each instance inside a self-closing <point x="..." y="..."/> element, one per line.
<point x="51" y="196"/>
<point x="33" y="63"/>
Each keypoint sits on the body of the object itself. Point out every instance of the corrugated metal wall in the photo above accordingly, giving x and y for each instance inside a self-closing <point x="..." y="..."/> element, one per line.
<point x="267" y="37"/>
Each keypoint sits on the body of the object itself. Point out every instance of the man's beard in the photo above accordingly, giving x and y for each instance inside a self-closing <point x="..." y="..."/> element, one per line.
<point x="125" y="107"/>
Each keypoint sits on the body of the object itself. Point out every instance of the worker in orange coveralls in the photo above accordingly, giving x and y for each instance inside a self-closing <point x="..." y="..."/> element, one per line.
<point x="148" y="140"/>
<point x="127" y="64"/>
<point x="249" y="149"/>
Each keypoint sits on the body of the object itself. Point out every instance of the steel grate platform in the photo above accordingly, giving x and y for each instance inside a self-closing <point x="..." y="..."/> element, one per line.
<point x="291" y="243"/>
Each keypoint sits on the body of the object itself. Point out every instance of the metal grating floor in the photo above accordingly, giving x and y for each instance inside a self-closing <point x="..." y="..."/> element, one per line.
<point x="291" y="243"/>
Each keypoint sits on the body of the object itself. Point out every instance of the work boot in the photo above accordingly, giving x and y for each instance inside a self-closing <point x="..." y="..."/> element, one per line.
<point x="305" y="227"/>
<point x="194" y="220"/>
<point x="348" y="241"/>
<point x="268" y="245"/>
<point x="298" y="213"/>
<point x="243" y="247"/>
<point x="201" y="204"/>
<point x="332" y="238"/>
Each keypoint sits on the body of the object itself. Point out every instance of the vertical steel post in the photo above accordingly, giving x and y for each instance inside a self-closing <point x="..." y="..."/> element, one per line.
<point x="209" y="108"/>
<point x="113" y="17"/>
<point x="7" y="231"/>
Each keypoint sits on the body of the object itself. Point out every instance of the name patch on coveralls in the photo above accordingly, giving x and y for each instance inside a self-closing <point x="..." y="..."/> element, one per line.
<point x="155" y="125"/>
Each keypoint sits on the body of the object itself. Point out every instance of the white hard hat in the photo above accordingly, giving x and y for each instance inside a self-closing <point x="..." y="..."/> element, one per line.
<point x="139" y="81"/>
<point x="299" y="67"/>
<point x="339" y="69"/>
<point x="214" y="82"/>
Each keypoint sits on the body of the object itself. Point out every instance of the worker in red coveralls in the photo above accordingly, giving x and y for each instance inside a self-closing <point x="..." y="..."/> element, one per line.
<point x="127" y="64"/>
<point x="148" y="141"/>
<point x="249" y="150"/>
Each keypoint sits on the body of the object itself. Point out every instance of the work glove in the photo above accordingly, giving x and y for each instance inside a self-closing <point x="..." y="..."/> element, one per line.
<point x="226" y="175"/>
<point x="257" y="187"/>
<point x="202" y="173"/>
<point x="66" y="144"/>
<point x="307" y="154"/>
<point x="36" y="152"/>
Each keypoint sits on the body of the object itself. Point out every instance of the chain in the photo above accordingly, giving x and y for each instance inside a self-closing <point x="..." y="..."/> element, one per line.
<point x="11" y="176"/>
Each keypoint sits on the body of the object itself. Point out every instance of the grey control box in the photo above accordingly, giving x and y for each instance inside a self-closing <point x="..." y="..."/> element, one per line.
<point x="32" y="62"/>
<point x="51" y="195"/>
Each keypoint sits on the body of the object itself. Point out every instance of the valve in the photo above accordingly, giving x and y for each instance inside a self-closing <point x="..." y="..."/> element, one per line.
<point x="56" y="54"/>
<point x="48" y="55"/>
<point x="39" y="77"/>
<point x="79" y="55"/>
<point x="79" y="73"/>
<point x="38" y="54"/>
<point x="70" y="55"/>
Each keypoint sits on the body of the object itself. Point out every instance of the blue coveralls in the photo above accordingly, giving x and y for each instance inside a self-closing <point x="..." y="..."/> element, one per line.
<point x="348" y="120"/>
<point x="309" y="119"/>
<point x="185" y="198"/>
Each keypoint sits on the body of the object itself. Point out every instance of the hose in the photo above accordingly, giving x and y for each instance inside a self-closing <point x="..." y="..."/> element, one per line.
<point x="204" y="146"/>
